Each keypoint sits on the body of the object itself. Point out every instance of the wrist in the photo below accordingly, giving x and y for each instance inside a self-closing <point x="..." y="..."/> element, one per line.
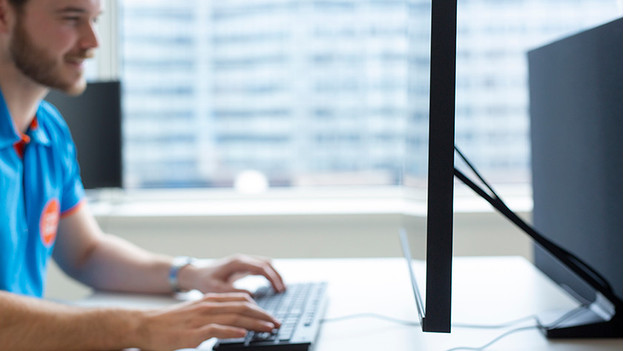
<point x="181" y="273"/>
<point x="132" y="322"/>
<point x="109" y="328"/>
<point x="142" y="335"/>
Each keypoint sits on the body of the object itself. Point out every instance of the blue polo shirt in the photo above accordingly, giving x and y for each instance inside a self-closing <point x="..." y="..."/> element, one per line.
<point x="39" y="184"/>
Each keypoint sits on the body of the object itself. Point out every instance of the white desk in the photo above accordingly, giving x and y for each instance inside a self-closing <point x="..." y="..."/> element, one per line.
<point x="485" y="291"/>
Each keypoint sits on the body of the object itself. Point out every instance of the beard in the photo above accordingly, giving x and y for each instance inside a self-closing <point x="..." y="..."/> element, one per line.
<point x="43" y="68"/>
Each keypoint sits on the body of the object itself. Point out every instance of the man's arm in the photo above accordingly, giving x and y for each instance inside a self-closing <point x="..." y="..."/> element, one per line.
<point x="107" y="262"/>
<point x="31" y="324"/>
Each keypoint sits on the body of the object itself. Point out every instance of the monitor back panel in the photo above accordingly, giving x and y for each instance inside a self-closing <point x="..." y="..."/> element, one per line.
<point x="576" y="137"/>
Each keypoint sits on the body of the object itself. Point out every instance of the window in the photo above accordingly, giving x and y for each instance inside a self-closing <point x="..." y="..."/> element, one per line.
<point x="300" y="90"/>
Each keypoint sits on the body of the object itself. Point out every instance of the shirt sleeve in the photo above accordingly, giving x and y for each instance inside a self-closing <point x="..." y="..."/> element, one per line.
<point x="73" y="190"/>
<point x="72" y="193"/>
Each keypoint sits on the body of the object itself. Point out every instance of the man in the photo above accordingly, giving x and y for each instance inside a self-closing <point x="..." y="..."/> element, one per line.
<point x="43" y="44"/>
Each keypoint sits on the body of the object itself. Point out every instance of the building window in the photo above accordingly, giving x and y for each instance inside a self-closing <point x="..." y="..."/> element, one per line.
<point x="298" y="91"/>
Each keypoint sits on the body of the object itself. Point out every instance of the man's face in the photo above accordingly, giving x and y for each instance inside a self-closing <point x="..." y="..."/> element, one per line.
<point x="52" y="38"/>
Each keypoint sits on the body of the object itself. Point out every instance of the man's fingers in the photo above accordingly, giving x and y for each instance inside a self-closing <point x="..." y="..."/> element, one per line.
<point x="243" y="291"/>
<point x="239" y="295"/>
<point x="242" y="309"/>
<point x="248" y="323"/>
<point x="276" y="280"/>
<point x="257" y="267"/>
<point x="221" y="331"/>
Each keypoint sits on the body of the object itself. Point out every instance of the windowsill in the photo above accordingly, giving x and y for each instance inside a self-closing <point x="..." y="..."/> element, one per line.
<point x="288" y="202"/>
<point x="347" y="222"/>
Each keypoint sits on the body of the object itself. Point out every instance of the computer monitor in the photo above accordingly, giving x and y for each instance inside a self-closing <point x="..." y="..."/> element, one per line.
<point x="576" y="115"/>
<point x="603" y="315"/>
<point x="94" y="118"/>
<point x="435" y="310"/>
<point x="576" y="138"/>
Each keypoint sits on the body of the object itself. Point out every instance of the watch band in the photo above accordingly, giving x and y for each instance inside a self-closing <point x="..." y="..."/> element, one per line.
<point x="177" y="264"/>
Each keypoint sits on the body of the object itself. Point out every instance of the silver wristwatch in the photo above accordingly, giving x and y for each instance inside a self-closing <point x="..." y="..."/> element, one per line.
<point x="177" y="264"/>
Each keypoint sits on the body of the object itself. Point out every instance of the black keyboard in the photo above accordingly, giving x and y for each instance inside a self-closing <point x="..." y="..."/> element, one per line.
<point x="299" y="309"/>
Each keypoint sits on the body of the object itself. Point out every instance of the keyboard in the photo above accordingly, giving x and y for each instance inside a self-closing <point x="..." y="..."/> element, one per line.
<point x="299" y="309"/>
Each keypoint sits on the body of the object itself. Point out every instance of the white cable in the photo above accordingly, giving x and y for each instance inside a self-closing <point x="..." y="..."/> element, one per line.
<point x="561" y="319"/>
<point x="493" y="340"/>
<point x="416" y="323"/>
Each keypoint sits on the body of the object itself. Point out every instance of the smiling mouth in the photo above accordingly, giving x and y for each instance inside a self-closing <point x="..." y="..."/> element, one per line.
<point x="79" y="60"/>
<point x="75" y="62"/>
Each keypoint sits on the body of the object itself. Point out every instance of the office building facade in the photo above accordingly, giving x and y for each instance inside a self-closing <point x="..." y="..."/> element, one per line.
<point x="323" y="92"/>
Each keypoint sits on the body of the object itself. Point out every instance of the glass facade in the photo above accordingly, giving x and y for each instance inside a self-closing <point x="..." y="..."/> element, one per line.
<point x="312" y="93"/>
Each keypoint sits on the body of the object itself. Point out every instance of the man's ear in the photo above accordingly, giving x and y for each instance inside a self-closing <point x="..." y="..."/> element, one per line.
<point x="7" y="16"/>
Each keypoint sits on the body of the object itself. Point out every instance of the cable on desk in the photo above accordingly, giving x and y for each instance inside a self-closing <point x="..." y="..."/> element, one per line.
<point x="565" y="316"/>
<point x="416" y="323"/>
<point x="559" y="320"/>
<point x="490" y="343"/>
<point x="495" y="326"/>
<point x="537" y="324"/>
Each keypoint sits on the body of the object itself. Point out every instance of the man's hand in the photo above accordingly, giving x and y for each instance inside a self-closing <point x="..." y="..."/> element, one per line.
<point x="221" y="275"/>
<point x="190" y="323"/>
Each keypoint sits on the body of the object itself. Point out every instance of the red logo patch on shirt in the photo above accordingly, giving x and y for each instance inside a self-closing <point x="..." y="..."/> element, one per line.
<point x="49" y="221"/>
